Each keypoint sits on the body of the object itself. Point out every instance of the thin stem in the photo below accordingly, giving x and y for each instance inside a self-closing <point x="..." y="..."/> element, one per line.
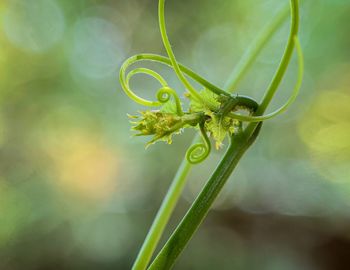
<point x="171" y="55"/>
<point x="253" y="51"/>
<point x="276" y="81"/>
<point x="290" y="100"/>
<point x="282" y="68"/>
<point x="162" y="217"/>
<point x="200" y="207"/>
<point x="238" y="146"/>
<point x="179" y="181"/>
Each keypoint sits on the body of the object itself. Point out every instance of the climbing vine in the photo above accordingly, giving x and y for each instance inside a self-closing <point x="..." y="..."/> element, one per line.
<point x="215" y="113"/>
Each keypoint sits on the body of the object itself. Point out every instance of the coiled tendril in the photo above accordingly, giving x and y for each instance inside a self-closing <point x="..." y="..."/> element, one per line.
<point x="199" y="151"/>
<point x="164" y="94"/>
<point x="125" y="77"/>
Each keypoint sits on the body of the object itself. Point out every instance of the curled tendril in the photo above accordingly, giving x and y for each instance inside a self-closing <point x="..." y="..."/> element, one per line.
<point x="164" y="94"/>
<point x="125" y="82"/>
<point x="125" y="77"/>
<point x="227" y="103"/>
<point x="147" y="71"/>
<point x="199" y="151"/>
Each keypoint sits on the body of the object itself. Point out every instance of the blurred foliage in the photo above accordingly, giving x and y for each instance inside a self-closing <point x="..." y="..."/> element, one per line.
<point x="76" y="192"/>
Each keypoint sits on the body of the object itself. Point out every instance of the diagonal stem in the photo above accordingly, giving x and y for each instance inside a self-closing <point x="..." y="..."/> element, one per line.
<point x="179" y="181"/>
<point x="162" y="217"/>
<point x="238" y="146"/>
<point x="200" y="207"/>
<point x="252" y="52"/>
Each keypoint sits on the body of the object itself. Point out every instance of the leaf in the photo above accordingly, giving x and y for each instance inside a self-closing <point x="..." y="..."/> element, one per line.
<point x="169" y="107"/>
<point x="209" y="98"/>
<point x="219" y="127"/>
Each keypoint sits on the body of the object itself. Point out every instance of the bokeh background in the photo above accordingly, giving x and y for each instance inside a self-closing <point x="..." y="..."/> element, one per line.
<point x="77" y="191"/>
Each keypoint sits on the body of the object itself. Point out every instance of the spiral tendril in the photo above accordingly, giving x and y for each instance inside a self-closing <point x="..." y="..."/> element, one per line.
<point x="164" y="94"/>
<point x="125" y="77"/>
<point x="125" y="82"/>
<point x="199" y="151"/>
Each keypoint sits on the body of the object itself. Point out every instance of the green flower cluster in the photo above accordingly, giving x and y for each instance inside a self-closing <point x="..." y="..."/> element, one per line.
<point x="164" y="123"/>
<point x="161" y="125"/>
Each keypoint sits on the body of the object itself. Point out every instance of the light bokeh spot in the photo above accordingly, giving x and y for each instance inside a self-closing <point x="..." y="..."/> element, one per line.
<point x="34" y="25"/>
<point x="97" y="47"/>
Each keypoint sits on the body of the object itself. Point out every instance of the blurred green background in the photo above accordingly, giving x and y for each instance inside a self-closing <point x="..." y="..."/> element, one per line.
<point x="78" y="192"/>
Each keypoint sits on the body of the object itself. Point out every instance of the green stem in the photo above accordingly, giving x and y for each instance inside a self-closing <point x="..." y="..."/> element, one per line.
<point x="291" y="98"/>
<point x="200" y="207"/>
<point x="282" y="68"/>
<point x="252" y="53"/>
<point x="239" y="144"/>
<point x="179" y="181"/>
<point x="171" y="55"/>
<point x="162" y="217"/>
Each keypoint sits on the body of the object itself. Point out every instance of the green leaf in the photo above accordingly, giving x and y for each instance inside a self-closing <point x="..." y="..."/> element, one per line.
<point x="208" y="96"/>
<point x="219" y="127"/>
<point x="169" y="107"/>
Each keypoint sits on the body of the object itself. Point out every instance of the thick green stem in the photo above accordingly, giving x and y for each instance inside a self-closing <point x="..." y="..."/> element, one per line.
<point x="180" y="178"/>
<point x="239" y="144"/>
<point x="162" y="217"/>
<point x="195" y="215"/>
